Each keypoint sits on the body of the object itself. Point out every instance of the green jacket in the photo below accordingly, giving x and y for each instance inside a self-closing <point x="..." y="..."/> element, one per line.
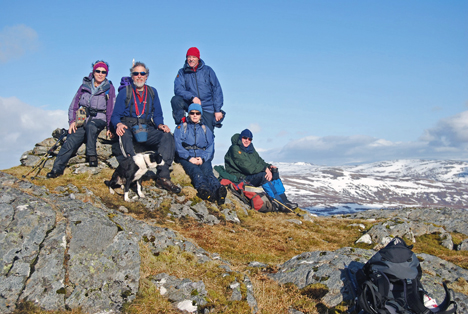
<point x="241" y="161"/>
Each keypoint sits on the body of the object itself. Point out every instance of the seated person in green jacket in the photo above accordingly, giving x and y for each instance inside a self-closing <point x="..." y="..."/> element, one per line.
<point x="243" y="161"/>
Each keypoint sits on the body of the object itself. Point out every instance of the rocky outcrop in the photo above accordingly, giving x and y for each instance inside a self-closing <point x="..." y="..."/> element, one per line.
<point x="328" y="269"/>
<point x="412" y="223"/>
<point x="61" y="253"/>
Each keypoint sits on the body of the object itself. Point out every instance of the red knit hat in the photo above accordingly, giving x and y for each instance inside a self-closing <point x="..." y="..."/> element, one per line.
<point x="193" y="52"/>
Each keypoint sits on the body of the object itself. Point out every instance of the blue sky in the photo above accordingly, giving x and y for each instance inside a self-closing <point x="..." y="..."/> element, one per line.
<point x="326" y="82"/>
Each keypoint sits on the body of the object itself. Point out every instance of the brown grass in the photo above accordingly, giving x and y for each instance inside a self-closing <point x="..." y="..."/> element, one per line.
<point x="267" y="238"/>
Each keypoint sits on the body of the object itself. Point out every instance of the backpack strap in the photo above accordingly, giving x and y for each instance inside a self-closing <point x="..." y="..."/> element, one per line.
<point x="415" y="294"/>
<point x="129" y="91"/>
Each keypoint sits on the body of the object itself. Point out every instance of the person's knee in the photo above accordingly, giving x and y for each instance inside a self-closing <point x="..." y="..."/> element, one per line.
<point x="177" y="102"/>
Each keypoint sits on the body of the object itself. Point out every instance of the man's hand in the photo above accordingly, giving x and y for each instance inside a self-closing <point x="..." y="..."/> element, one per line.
<point x="121" y="129"/>
<point x="196" y="160"/>
<point x="218" y="116"/>
<point x="164" y="128"/>
<point x="268" y="175"/>
<point x="196" y="100"/>
<point x="72" y="128"/>
<point x="109" y="134"/>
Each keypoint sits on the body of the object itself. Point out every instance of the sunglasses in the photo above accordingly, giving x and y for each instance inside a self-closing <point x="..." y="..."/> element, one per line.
<point x="246" y="138"/>
<point x="141" y="73"/>
<point x="195" y="113"/>
<point x="99" y="71"/>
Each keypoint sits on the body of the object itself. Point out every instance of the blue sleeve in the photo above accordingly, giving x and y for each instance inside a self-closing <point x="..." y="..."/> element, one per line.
<point x="181" y="151"/>
<point x="217" y="92"/>
<point x="208" y="153"/>
<point x="119" y="109"/>
<point x="180" y="88"/>
<point x="157" y="114"/>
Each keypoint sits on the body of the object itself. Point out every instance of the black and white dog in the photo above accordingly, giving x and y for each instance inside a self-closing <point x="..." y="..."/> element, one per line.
<point x="132" y="169"/>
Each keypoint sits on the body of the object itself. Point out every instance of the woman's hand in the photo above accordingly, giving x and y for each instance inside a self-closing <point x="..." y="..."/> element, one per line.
<point x="121" y="129"/>
<point x="72" y="128"/>
<point x="109" y="134"/>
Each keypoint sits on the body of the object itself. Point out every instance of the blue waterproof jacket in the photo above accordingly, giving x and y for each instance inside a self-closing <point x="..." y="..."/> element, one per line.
<point x="202" y="84"/>
<point x="153" y="111"/>
<point x="194" y="141"/>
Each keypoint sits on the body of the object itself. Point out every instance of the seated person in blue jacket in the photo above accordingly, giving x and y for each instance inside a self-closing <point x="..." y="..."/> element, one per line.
<point x="243" y="161"/>
<point x="140" y="117"/>
<point x="195" y="149"/>
<point x="97" y="95"/>
<point x="197" y="83"/>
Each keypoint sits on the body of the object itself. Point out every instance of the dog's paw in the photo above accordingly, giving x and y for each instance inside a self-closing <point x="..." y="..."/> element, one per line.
<point x="111" y="191"/>
<point x="135" y="197"/>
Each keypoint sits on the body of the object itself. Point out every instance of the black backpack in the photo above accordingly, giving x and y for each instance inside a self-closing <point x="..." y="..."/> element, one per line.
<point x="390" y="283"/>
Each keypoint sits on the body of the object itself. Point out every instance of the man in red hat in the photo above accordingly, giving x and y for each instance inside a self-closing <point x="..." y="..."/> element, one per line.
<point x="197" y="83"/>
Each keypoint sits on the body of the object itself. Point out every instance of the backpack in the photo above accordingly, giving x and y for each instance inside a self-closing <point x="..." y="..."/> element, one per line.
<point x="251" y="195"/>
<point x="389" y="283"/>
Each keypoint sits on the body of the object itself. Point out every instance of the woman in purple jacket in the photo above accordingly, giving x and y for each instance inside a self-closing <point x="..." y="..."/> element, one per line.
<point x="97" y="96"/>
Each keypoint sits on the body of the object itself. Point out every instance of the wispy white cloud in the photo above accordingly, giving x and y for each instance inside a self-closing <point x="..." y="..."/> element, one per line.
<point x="449" y="132"/>
<point x="447" y="140"/>
<point x="16" y="41"/>
<point x="22" y="126"/>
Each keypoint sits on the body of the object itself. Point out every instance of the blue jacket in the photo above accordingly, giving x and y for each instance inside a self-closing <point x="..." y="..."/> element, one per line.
<point x="194" y="136"/>
<point x="202" y="84"/>
<point x="103" y="100"/>
<point x="153" y="110"/>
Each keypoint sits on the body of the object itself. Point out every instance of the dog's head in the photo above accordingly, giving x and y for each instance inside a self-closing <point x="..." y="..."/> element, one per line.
<point x="153" y="160"/>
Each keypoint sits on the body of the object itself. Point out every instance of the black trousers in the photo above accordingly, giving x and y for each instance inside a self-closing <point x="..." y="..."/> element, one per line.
<point x="157" y="141"/>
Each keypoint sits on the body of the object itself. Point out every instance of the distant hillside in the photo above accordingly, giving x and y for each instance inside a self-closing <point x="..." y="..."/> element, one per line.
<point x="389" y="184"/>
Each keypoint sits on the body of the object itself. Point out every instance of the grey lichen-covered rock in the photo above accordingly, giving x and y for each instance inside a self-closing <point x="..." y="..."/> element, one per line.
<point x="447" y="241"/>
<point x="230" y="215"/>
<point x="250" y="295"/>
<point x="327" y="268"/>
<point x="46" y="286"/>
<point x="236" y="292"/>
<point x="26" y="222"/>
<point x="463" y="246"/>
<point x="178" y="290"/>
<point x="452" y="220"/>
<point x="61" y="253"/>
<point x="381" y="233"/>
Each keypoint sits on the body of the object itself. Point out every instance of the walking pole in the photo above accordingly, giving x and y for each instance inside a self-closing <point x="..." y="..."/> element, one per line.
<point x="281" y="204"/>
<point x="41" y="162"/>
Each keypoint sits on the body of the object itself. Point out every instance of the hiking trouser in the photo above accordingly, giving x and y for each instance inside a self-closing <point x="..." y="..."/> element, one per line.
<point x="157" y="141"/>
<point x="180" y="107"/>
<point x="273" y="188"/>
<point x="89" y="133"/>
<point x="259" y="179"/>
<point x="201" y="175"/>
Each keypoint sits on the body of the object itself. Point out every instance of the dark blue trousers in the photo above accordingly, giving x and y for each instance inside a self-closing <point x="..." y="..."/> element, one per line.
<point x="89" y="133"/>
<point x="258" y="179"/>
<point x="157" y="141"/>
<point x="202" y="176"/>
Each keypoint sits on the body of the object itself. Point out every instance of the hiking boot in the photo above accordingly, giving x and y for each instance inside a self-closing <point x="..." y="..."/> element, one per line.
<point x="54" y="174"/>
<point x="93" y="161"/>
<point x="287" y="202"/>
<point x="206" y="195"/>
<point x="167" y="185"/>
<point x="221" y="193"/>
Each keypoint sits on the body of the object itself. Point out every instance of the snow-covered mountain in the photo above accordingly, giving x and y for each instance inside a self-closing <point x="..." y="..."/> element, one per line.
<point x="389" y="184"/>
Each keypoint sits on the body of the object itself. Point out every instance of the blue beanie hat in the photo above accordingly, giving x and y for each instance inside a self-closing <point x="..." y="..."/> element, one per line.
<point x="247" y="133"/>
<point x="196" y="107"/>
